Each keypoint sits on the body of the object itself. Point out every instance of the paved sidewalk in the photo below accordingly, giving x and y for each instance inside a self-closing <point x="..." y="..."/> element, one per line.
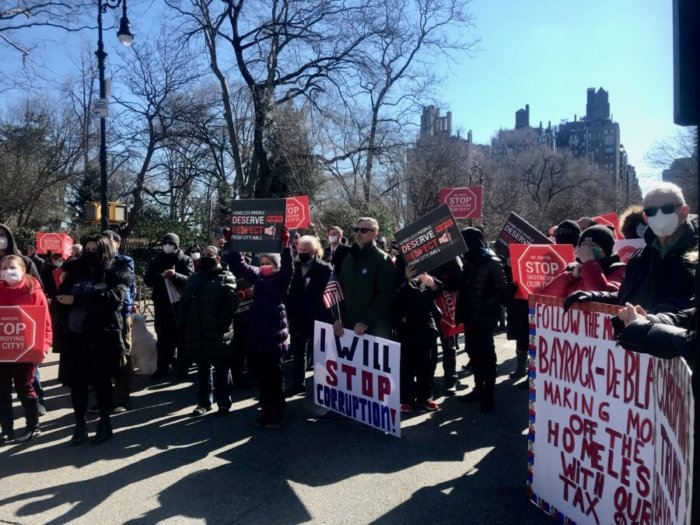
<point x="163" y="466"/>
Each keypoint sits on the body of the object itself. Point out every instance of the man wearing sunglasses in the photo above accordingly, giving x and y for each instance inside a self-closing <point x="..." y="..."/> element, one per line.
<point x="659" y="277"/>
<point x="367" y="281"/>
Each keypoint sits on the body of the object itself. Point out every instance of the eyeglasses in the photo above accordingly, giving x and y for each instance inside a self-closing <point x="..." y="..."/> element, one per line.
<point x="363" y="230"/>
<point x="171" y="243"/>
<point x="665" y="209"/>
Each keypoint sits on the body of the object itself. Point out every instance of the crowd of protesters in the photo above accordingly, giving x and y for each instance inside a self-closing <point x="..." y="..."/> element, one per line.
<point x="226" y="312"/>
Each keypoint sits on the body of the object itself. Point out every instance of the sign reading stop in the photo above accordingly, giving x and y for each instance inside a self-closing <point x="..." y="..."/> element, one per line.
<point x="535" y="265"/>
<point x="53" y="242"/>
<point x="22" y="334"/>
<point x="298" y="215"/>
<point x="464" y="203"/>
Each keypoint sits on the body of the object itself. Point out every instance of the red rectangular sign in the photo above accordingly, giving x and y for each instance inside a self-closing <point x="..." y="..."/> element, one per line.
<point x="22" y="334"/>
<point x="464" y="203"/>
<point x="298" y="215"/>
<point x="535" y="265"/>
<point x="53" y="242"/>
<point x="610" y="219"/>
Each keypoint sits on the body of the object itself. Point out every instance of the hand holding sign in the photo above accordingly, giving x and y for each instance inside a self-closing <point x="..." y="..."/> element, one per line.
<point x="65" y="299"/>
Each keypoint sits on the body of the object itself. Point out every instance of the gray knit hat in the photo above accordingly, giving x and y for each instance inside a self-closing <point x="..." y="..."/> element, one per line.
<point x="274" y="257"/>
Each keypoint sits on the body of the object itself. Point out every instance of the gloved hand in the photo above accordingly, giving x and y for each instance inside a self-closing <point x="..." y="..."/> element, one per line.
<point x="285" y="237"/>
<point x="577" y="297"/>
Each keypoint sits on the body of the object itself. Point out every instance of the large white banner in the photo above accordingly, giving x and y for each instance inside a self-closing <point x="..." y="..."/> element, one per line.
<point x="611" y="431"/>
<point x="358" y="377"/>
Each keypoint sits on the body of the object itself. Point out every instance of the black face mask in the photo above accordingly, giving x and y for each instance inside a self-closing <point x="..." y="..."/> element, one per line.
<point x="91" y="258"/>
<point x="207" y="263"/>
<point x="305" y="257"/>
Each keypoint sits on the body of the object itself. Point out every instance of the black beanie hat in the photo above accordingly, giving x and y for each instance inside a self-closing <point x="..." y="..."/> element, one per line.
<point x="172" y="237"/>
<point x="602" y="236"/>
<point x="567" y="232"/>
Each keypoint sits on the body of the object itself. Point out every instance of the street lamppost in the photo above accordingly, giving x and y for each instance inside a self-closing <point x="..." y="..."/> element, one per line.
<point x="126" y="38"/>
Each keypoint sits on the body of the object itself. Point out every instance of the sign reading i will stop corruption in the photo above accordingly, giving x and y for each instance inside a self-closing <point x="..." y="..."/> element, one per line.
<point x="611" y="431"/>
<point x="22" y="334"/>
<point x="257" y="224"/>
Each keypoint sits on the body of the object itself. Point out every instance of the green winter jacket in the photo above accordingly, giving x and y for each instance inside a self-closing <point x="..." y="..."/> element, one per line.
<point x="367" y="281"/>
<point x="209" y="302"/>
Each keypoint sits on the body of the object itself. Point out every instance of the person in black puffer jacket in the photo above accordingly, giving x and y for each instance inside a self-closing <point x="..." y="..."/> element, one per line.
<point x="176" y="267"/>
<point x="414" y="322"/>
<point x="478" y="307"/>
<point x="90" y="326"/>
<point x="209" y="301"/>
<point x="305" y="306"/>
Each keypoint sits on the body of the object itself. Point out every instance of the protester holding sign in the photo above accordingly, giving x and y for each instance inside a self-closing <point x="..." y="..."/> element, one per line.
<point x="304" y="306"/>
<point x="658" y="277"/>
<point x="479" y="307"/>
<point x="417" y="332"/>
<point x="90" y="324"/>
<point x="367" y="281"/>
<point x="171" y="268"/>
<point x="597" y="268"/>
<point x="267" y="325"/>
<point x="18" y="288"/>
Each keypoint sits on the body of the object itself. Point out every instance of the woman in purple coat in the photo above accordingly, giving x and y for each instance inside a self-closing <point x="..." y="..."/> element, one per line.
<point x="267" y="326"/>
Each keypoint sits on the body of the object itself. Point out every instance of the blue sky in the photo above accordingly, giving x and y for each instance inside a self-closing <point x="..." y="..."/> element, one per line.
<point x="545" y="53"/>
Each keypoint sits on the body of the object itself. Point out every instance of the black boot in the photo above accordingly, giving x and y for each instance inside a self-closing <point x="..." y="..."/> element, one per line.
<point x="80" y="435"/>
<point x="104" y="430"/>
<point x="7" y="431"/>
<point x="31" y="412"/>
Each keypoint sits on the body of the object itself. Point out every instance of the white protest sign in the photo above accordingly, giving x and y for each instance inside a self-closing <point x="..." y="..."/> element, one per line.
<point x="358" y="377"/>
<point x="611" y="431"/>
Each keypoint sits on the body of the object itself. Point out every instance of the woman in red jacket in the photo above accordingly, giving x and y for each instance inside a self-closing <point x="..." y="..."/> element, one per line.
<point x="597" y="267"/>
<point x="18" y="288"/>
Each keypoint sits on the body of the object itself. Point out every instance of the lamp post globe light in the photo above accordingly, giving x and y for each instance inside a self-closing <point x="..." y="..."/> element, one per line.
<point x="126" y="38"/>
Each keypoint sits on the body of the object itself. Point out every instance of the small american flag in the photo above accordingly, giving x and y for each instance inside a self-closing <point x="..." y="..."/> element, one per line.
<point x="332" y="295"/>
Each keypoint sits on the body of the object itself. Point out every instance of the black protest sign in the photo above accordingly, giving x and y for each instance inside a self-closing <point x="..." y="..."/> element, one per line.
<point x="431" y="241"/>
<point x="517" y="231"/>
<point x="257" y="224"/>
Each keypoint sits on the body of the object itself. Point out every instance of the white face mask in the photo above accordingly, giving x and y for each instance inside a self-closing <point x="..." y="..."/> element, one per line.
<point x="333" y="239"/>
<point x="168" y="248"/>
<point x="663" y="225"/>
<point x="3" y="243"/>
<point x="195" y="256"/>
<point x="11" y="276"/>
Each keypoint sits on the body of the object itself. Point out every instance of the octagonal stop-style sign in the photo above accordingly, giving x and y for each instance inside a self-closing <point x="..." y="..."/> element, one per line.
<point x="298" y="215"/>
<point x="535" y="265"/>
<point x="22" y="334"/>
<point x="464" y="203"/>
<point x="53" y="242"/>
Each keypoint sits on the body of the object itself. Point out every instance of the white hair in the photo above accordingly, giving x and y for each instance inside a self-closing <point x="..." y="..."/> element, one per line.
<point x="667" y="188"/>
<point x="312" y="241"/>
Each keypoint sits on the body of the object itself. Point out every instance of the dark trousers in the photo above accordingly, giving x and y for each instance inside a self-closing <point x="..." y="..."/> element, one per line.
<point x="479" y="339"/>
<point x="168" y="335"/>
<point x="37" y="385"/>
<point x="267" y="368"/>
<point x="299" y="347"/>
<point x="22" y="374"/>
<point x="122" y="384"/>
<point x="418" y="361"/>
<point x="239" y="352"/>
<point x="220" y="382"/>
<point x="102" y="385"/>
<point x="449" y="357"/>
